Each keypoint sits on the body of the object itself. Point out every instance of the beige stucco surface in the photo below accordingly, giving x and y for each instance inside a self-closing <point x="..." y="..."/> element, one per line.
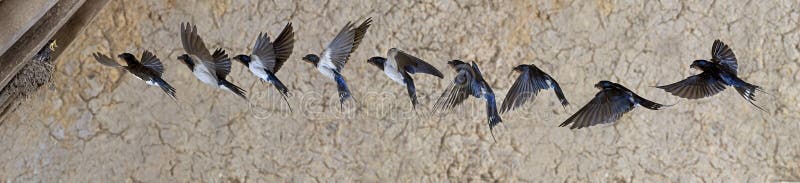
<point x="98" y="123"/>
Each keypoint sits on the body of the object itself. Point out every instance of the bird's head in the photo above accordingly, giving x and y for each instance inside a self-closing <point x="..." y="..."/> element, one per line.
<point x="187" y="60"/>
<point x="126" y="56"/>
<point x="244" y="59"/>
<point x="393" y="50"/>
<point x="455" y="63"/>
<point x="604" y="85"/>
<point x="700" y="64"/>
<point x="312" y="59"/>
<point x="377" y="61"/>
<point x="521" y="68"/>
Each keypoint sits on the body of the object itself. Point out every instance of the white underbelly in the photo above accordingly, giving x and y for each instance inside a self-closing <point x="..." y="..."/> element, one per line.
<point x="151" y="83"/>
<point x="205" y="76"/>
<point x="258" y="70"/>
<point x="393" y="74"/>
<point x="327" y="72"/>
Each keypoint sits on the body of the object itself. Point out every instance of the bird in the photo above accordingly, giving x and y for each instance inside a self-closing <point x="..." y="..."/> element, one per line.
<point x="45" y="53"/>
<point x="148" y="70"/>
<point x="717" y="73"/>
<point x="468" y="82"/>
<point x="397" y="66"/>
<point x="268" y="57"/>
<point x="211" y="69"/>
<point x="608" y="105"/>
<point x="530" y="81"/>
<point x="337" y="53"/>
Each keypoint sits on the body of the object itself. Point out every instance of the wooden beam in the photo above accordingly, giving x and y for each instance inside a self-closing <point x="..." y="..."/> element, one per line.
<point x="64" y="37"/>
<point x="18" y="17"/>
<point x="76" y="24"/>
<point x="29" y="43"/>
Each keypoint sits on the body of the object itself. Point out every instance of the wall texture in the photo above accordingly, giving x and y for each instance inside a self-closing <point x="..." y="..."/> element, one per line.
<point x="98" y="123"/>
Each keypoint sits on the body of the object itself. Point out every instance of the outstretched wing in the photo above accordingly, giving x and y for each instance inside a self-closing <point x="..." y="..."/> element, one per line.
<point x="456" y="93"/>
<point x="221" y="62"/>
<point x="695" y="87"/>
<point x="150" y="60"/>
<point x="360" y="31"/>
<point x="606" y="107"/>
<point x="105" y="60"/>
<point x="195" y="47"/>
<point x="283" y="47"/>
<point x="722" y="54"/>
<point x="525" y="88"/>
<point x="412" y="64"/>
<point x="265" y="52"/>
<point x="338" y="51"/>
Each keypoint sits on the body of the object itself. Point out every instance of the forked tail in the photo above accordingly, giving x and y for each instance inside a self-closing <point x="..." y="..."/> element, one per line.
<point x="491" y="110"/>
<point x="280" y="87"/>
<point x="341" y="85"/>
<point x="748" y="92"/>
<point x="233" y="88"/>
<point x="166" y="87"/>
<point x="412" y="90"/>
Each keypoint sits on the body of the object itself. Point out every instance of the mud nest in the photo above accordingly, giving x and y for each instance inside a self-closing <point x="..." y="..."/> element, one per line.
<point x="30" y="78"/>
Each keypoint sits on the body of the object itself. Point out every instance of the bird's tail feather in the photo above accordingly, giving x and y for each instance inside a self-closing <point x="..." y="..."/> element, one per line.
<point x="561" y="97"/>
<point x="166" y="87"/>
<point x="412" y="90"/>
<point x="748" y="92"/>
<point x="341" y="85"/>
<point x="559" y="92"/>
<point x="650" y="104"/>
<point x="281" y="88"/>
<point x="233" y="88"/>
<point x="491" y="110"/>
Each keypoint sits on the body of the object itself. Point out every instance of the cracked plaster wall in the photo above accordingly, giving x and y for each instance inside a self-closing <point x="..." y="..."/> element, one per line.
<point x="98" y="123"/>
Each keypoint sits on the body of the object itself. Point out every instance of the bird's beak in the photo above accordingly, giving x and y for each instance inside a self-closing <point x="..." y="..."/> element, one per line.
<point x="694" y="66"/>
